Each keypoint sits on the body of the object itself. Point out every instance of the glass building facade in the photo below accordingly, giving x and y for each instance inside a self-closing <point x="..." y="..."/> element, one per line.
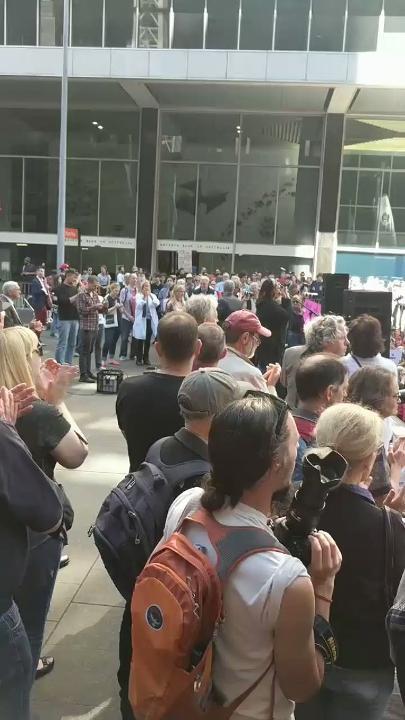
<point x="315" y="25"/>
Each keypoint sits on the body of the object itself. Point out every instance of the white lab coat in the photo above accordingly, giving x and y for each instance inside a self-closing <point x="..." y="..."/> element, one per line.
<point x="139" y="327"/>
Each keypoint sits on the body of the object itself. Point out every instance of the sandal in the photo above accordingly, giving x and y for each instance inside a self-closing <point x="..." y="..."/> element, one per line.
<point x="48" y="663"/>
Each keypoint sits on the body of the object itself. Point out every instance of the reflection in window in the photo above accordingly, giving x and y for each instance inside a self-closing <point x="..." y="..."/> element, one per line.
<point x="82" y="196"/>
<point x="22" y="22"/>
<point x="370" y="186"/>
<point x="281" y="140"/>
<point x="394" y="16"/>
<point x="292" y="25"/>
<point x="256" y="219"/>
<point x="327" y="26"/>
<point x="204" y="137"/>
<point x="10" y="193"/>
<point x="118" y="199"/>
<point x="177" y="201"/>
<point x="1" y="22"/>
<point x="216" y="203"/>
<point x="120" y="23"/>
<point x="87" y="23"/>
<point x="362" y="25"/>
<point x="153" y="31"/>
<point x="223" y="21"/>
<point x="41" y="195"/>
<point x="297" y="206"/>
<point x="50" y="22"/>
<point x="29" y="132"/>
<point x="256" y="30"/>
<point x="348" y="188"/>
<point x="188" y="23"/>
<point x="398" y="189"/>
<point x="103" y="134"/>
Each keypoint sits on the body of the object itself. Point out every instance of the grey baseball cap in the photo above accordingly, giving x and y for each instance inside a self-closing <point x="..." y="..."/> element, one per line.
<point x="208" y="391"/>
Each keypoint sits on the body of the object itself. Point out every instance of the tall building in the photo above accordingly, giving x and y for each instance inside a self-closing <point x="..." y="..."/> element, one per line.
<point x="250" y="134"/>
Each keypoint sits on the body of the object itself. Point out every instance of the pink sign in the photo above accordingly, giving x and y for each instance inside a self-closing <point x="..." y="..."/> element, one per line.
<point x="311" y="310"/>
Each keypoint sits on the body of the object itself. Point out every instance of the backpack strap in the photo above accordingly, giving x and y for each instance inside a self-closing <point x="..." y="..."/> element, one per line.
<point x="179" y="473"/>
<point x="356" y="360"/>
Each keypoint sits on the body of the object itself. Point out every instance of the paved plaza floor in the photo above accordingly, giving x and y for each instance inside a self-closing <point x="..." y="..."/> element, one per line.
<point x="85" y="615"/>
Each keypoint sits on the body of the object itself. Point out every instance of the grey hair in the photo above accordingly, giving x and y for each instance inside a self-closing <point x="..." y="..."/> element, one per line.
<point x="9" y="285"/>
<point x="229" y="287"/>
<point x="324" y="330"/>
<point x="203" y="308"/>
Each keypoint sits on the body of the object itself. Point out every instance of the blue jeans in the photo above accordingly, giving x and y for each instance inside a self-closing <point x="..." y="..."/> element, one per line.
<point x="15" y="667"/>
<point x="350" y="695"/>
<point x="65" y="348"/>
<point x="34" y="596"/>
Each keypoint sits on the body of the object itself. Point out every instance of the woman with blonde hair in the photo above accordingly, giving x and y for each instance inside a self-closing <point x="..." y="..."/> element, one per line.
<point x="52" y="437"/>
<point x="359" y="686"/>
<point x="177" y="302"/>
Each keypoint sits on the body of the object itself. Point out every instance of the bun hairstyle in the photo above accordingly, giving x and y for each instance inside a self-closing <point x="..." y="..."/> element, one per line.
<point x="354" y="431"/>
<point x="242" y="446"/>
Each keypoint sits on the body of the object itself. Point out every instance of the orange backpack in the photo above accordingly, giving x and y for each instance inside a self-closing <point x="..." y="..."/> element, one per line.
<point x="177" y="608"/>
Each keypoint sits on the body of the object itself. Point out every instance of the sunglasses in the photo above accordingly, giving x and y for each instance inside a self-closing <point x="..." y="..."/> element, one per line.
<point x="279" y="405"/>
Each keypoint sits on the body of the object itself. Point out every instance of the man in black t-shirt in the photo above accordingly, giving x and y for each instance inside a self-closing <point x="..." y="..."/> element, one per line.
<point x="27" y="500"/>
<point x="66" y="295"/>
<point x="147" y="410"/>
<point x="147" y="407"/>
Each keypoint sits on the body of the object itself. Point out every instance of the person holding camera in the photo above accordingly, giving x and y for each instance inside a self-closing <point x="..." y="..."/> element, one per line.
<point x="271" y="602"/>
<point x="372" y="543"/>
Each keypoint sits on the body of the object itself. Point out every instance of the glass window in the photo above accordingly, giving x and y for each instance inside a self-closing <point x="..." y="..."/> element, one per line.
<point x="281" y="140"/>
<point x="223" y="21"/>
<point x="22" y="22"/>
<point x="347" y="218"/>
<point x="41" y="195"/>
<point x="103" y="134"/>
<point x="256" y="30"/>
<point x="1" y="22"/>
<point x="205" y="137"/>
<point x="50" y="22"/>
<point x="120" y="23"/>
<point x="362" y="25"/>
<point x="216" y="203"/>
<point x="82" y="196"/>
<point x="350" y="160"/>
<point x="292" y="25"/>
<point x="10" y="193"/>
<point x="399" y="162"/>
<point x="375" y="161"/>
<point x="153" y="31"/>
<point x="370" y="185"/>
<point x="327" y="26"/>
<point x="297" y="206"/>
<point x="177" y="201"/>
<point x="256" y="219"/>
<point x="118" y="199"/>
<point x="188" y="29"/>
<point x="394" y="16"/>
<point x="29" y="132"/>
<point x="348" y="188"/>
<point x="87" y="23"/>
<point x="366" y="219"/>
<point x="398" y="189"/>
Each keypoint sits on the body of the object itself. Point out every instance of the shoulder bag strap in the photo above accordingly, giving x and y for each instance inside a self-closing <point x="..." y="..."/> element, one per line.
<point x="356" y="361"/>
<point x="389" y="558"/>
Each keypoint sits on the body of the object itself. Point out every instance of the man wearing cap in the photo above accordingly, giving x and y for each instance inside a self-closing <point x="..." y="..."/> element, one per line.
<point x="202" y="394"/>
<point x="243" y="333"/>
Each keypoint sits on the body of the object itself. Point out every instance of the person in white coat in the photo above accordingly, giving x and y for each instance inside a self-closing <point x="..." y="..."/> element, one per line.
<point x="146" y="322"/>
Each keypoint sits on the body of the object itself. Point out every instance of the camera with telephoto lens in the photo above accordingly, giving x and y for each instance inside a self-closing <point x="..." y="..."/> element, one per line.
<point x="323" y="469"/>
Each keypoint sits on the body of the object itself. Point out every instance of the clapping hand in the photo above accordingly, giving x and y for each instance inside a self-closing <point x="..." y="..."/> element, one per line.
<point x="272" y="375"/>
<point x="396" y="500"/>
<point x="23" y="396"/>
<point x="54" y="381"/>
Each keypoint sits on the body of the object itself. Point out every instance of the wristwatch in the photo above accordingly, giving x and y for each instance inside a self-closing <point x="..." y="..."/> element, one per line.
<point x="325" y="640"/>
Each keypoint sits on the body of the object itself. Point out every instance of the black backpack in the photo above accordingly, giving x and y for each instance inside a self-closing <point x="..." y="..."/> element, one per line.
<point x="131" y="520"/>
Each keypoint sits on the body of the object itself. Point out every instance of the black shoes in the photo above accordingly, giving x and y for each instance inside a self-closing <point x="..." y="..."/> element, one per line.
<point x="87" y="379"/>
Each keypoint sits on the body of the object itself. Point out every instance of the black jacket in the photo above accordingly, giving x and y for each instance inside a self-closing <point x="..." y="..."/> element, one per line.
<point x="359" y="602"/>
<point x="226" y="306"/>
<point x="275" y="317"/>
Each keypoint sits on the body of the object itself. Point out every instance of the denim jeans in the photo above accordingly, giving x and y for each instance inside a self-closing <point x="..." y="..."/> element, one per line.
<point x="111" y="336"/>
<point x="34" y="596"/>
<point x="98" y="344"/>
<point x="126" y="333"/>
<point x="87" y="340"/>
<point x="65" y="348"/>
<point x="350" y="695"/>
<point x="15" y="667"/>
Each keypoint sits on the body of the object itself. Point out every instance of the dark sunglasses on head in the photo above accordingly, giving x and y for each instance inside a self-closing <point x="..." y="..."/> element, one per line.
<point x="280" y="406"/>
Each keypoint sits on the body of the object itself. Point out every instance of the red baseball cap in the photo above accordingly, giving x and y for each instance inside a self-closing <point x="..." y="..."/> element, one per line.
<point x="246" y="321"/>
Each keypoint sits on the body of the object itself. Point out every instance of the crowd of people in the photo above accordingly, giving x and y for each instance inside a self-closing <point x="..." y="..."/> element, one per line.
<point x="245" y="389"/>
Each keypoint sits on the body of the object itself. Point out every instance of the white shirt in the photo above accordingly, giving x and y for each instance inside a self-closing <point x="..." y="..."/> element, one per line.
<point x="252" y="599"/>
<point x="376" y="361"/>
<point x="120" y="278"/>
<point x="242" y="369"/>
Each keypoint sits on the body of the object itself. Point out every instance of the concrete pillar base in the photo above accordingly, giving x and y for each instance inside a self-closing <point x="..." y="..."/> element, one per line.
<point x="325" y="253"/>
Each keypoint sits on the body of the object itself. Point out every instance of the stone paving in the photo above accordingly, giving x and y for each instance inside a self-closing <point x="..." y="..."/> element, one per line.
<point x="85" y="615"/>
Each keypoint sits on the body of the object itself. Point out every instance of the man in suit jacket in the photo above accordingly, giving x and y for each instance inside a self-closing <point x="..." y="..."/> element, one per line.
<point x="11" y="292"/>
<point x="40" y="296"/>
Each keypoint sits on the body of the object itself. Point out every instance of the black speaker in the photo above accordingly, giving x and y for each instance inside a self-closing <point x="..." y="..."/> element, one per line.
<point x="334" y="285"/>
<point x="370" y="302"/>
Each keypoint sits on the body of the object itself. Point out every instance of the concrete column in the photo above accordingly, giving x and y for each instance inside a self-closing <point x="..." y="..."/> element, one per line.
<point x="146" y="188"/>
<point x="326" y="240"/>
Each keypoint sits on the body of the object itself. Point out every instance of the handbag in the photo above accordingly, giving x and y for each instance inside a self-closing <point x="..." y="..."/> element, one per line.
<point x="389" y="589"/>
